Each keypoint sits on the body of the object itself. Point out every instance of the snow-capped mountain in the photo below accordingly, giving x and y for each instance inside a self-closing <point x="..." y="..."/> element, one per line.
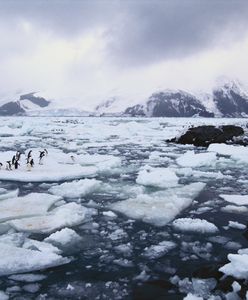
<point x="170" y="103"/>
<point x="231" y="99"/>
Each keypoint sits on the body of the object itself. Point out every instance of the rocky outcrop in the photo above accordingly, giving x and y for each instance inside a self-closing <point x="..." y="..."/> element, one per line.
<point x="206" y="135"/>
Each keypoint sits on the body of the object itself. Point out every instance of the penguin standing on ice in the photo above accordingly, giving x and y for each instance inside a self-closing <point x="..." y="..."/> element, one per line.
<point x="32" y="163"/>
<point x="28" y="164"/>
<point x="30" y="154"/>
<point x="42" y="154"/>
<point x="18" y="155"/>
<point x="16" y="164"/>
<point x="8" y="165"/>
<point x="13" y="160"/>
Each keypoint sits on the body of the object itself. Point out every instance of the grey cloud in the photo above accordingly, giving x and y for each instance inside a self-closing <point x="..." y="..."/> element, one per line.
<point x="138" y="31"/>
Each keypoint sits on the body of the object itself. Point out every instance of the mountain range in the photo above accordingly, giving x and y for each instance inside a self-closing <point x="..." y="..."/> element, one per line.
<point x="228" y="99"/>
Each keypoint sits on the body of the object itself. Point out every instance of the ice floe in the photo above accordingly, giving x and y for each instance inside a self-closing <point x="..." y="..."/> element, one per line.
<point x="236" y="225"/>
<point x="64" y="237"/>
<point x="30" y="205"/>
<point x="237" y="267"/>
<point x="192" y="159"/>
<point x="159" y="250"/>
<point x="159" y="208"/>
<point x="195" y="225"/>
<point x="70" y="214"/>
<point x="236" y="199"/>
<point x="157" y="177"/>
<point x="76" y="189"/>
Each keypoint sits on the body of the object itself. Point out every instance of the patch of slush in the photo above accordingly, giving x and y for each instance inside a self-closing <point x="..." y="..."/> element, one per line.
<point x="195" y="225"/>
<point x="191" y="159"/>
<point x="67" y="215"/>
<point x="236" y="199"/>
<point x="157" y="177"/>
<point x="30" y="205"/>
<point x="64" y="237"/>
<point x="157" y="251"/>
<point x="76" y="189"/>
<point x="159" y="208"/>
<point x="19" y="260"/>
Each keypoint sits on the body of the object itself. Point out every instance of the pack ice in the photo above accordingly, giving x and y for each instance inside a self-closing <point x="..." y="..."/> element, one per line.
<point x="159" y="208"/>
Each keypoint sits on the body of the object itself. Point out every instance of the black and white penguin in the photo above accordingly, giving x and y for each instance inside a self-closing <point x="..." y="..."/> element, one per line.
<point x="16" y="164"/>
<point x="18" y="155"/>
<point x="13" y="160"/>
<point x="29" y="153"/>
<point x="42" y="154"/>
<point x="32" y="163"/>
<point x="8" y="165"/>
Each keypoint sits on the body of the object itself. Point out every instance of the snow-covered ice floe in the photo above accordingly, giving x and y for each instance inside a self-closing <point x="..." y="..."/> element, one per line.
<point x="64" y="237"/>
<point x="30" y="205"/>
<point x="157" y="177"/>
<point x="4" y="194"/>
<point x="159" y="250"/>
<point x="161" y="207"/>
<point x="70" y="214"/>
<point x="195" y="225"/>
<point x="192" y="159"/>
<point x="236" y="199"/>
<point x="76" y="188"/>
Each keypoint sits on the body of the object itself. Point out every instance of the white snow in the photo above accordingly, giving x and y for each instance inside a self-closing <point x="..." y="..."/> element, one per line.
<point x="236" y="225"/>
<point x="30" y="205"/>
<point x="64" y="237"/>
<point x="192" y="297"/>
<point x="76" y="189"/>
<point x="8" y="194"/>
<point x="157" y="177"/>
<point x="70" y="214"/>
<point x="159" y="208"/>
<point x="238" y="266"/>
<point x="236" y="199"/>
<point x="18" y="260"/>
<point x="192" y="159"/>
<point x="28" y="277"/>
<point x="196" y="225"/>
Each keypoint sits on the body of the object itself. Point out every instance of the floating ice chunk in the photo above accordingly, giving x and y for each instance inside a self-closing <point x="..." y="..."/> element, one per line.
<point x="70" y="214"/>
<point x="192" y="297"/>
<point x="232" y="245"/>
<point x="196" y="225"/>
<point x="235" y="209"/>
<point x="236" y="225"/>
<point x="195" y="173"/>
<point x="118" y="234"/>
<point x="4" y="194"/>
<point x="161" y="207"/>
<point x="191" y="159"/>
<point x="31" y="205"/>
<point x="157" y="251"/>
<point x="28" y="277"/>
<point x="236" y="199"/>
<point x="109" y="214"/>
<point x="125" y="249"/>
<point x="64" y="237"/>
<point x="238" y="266"/>
<point x="31" y="288"/>
<point x="243" y="251"/>
<point x="238" y="153"/>
<point x="123" y="262"/>
<point x="18" y="260"/>
<point x="75" y="189"/>
<point x="3" y="296"/>
<point x="40" y="246"/>
<point x="158" y="177"/>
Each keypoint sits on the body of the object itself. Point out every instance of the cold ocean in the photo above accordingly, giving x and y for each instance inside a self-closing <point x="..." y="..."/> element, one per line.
<point x="115" y="212"/>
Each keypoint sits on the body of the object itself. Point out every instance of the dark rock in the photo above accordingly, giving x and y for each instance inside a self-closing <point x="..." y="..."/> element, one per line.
<point x="11" y="108"/>
<point x="205" y="135"/>
<point x="40" y="101"/>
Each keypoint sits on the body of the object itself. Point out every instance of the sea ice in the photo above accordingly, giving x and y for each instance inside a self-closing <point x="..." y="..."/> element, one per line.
<point x="64" y="237"/>
<point x="28" y="277"/>
<point x="70" y="214"/>
<point x="156" y="251"/>
<point x="196" y="225"/>
<point x="4" y="194"/>
<point x="157" y="177"/>
<point x="236" y="225"/>
<point x="161" y="207"/>
<point x="192" y="297"/>
<point x="30" y="205"/>
<point x="236" y="199"/>
<point x="18" y="260"/>
<point x="238" y="266"/>
<point x="192" y="159"/>
<point x="76" y="189"/>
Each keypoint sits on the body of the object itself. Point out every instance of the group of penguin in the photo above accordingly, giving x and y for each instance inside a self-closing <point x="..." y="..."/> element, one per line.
<point x="29" y="160"/>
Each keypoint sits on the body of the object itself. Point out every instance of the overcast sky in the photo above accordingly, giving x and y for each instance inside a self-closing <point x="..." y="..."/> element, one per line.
<point x="86" y="51"/>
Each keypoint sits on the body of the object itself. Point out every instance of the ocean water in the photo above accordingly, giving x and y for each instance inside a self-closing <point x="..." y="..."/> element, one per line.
<point x="119" y="256"/>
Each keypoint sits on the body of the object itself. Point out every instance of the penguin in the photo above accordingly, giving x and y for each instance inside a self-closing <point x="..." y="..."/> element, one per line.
<point x="42" y="154"/>
<point x="8" y="165"/>
<point x="1" y="165"/>
<point x="32" y="163"/>
<point x="16" y="164"/>
<point x="13" y="160"/>
<point x="28" y="165"/>
<point x="18" y="155"/>
<point x="72" y="158"/>
<point x="29" y="153"/>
